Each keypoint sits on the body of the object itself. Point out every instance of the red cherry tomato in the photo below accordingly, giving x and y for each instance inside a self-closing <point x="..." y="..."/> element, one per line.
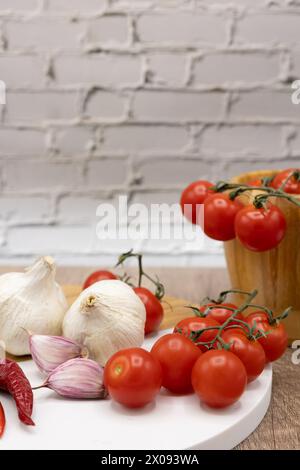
<point x="292" y="184"/>
<point x="260" y="229"/>
<point x="221" y="314"/>
<point x="276" y="341"/>
<point x="98" y="276"/>
<point x="242" y="330"/>
<point x="255" y="182"/>
<point x="219" y="378"/>
<point x="133" y="377"/>
<point x="194" y="195"/>
<point x="154" y="309"/>
<point x="219" y="216"/>
<point x="192" y="324"/>
<point x="250" y="352"/>
<point x="177" y="356"/>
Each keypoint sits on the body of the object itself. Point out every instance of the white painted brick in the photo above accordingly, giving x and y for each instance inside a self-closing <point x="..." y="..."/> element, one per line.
<point x="144" y="139"/>
<point x="158" y="197"/>
<point x="77" y="6"/>
<point x="2" y="238"/>
<point x="177" y="106"/>
<point x="72" y="141"/>
<point x="241" y="140"/>
<point x="234" y="68"/>
<point x="135" y="5"/>
<point x="147" y="198"/>
<point x="295" y="142"/>
<point x="78" y="209"/>
<point x="114" y="246"/>
<point x="101" y="70"/>
<point x="41" y="106"/>
<point x="296" y="63"/>
<point x="20" y="142"/>
<point x="170" y="171"/>
<point x="109" y="31"/>
<point x="155" y="130"/>
<point x="23" y="209"/>
<point x="105" y="105"/>
<point x="260" y="105"/>
<point x="237" y="3"/>
<point x="106" y="172"/>
<point x="41" y="175"/>
<point x="22" y="71"/>
<point x="44" y="34"/>
<point x="50" y="240"/>
<point x="167" y="69"/>
<point x="182" y="28"/>
<point x="269" y="29"/>
<point x="142" y="5"/>
<point x="145" y="4"/>
<point x="18" y="5"/>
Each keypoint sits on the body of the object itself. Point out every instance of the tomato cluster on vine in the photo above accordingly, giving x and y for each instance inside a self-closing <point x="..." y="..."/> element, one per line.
<point x="259" y="225"/>
<point x="215" y="353"/>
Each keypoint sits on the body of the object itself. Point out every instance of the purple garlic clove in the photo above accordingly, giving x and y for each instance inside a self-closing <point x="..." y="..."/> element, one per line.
<point x="49" y="352"/>
<point x="77" y="378"/>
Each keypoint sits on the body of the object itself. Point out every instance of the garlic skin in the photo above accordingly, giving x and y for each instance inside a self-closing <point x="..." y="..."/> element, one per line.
<point x="49" y="352"/>
<point x="30" y="301"/>
<point x="106" y="317"/>
<point x="77" y="378"/>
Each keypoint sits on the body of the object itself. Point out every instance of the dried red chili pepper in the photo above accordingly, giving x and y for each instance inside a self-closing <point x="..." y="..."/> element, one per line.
<point x="2" y="420"/>
<point x="14" y="381"/>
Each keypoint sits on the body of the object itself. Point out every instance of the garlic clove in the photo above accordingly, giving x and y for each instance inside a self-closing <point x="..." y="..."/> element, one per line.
<point x="48" y="352"/>
<point x="77" y="378"/>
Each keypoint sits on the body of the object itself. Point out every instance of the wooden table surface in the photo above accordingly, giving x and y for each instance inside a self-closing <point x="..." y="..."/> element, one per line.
<point x="280" y="429"/>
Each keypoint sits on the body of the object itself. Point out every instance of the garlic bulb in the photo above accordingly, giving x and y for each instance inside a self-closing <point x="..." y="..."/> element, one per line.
<point x="106" y="317"/>
<point x="30" y="301"/>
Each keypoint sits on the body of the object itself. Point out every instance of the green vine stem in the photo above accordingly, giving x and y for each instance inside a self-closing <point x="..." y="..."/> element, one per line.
<point x="253" y="333"/>
<point x="223" y="295"/>
<point x="295" y="174"/>
<point x="160" y="290"/>
<point x="260" y="199"/>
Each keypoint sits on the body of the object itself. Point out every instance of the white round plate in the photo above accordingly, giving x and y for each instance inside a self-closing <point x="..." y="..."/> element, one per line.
<point x="173" y="422"/>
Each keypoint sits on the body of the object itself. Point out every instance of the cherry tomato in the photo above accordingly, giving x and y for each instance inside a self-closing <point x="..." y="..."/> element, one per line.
<point x="177" y="356"/>
<point x="193" y="324"/>
<point x="250" y="352"/>
<point x="98" y="276"/>
<point x="194" y="195"/>
<point x="260" y="229"/>
<point x="219" y="216"/>
<point x="292" y="184"/>
<point x="219" y="378"/>
<point x="221" y="314"/>
<point x="133" y="377"/>
<point x="242" y="330"/>
<point x="255" y="182"/>
<point x="154" y="309"/>
<point x="276" y="341"/>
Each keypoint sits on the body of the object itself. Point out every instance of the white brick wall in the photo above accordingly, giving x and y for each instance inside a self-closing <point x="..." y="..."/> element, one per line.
<point x="136" y="97"/>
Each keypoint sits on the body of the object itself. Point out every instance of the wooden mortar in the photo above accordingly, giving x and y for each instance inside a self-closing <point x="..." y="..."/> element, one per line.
<point x="275" y="273"/>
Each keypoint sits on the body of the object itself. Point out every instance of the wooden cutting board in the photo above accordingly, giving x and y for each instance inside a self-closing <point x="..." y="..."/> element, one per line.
<point x="174" y="309"/>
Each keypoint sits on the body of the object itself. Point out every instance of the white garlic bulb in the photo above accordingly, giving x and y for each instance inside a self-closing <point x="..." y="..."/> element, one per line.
<point x="106" y="317"/>
<point x="30" y="301"/>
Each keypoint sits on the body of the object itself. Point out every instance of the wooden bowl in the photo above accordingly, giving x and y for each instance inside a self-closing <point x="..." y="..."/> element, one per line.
<point x="275" y="273"/>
